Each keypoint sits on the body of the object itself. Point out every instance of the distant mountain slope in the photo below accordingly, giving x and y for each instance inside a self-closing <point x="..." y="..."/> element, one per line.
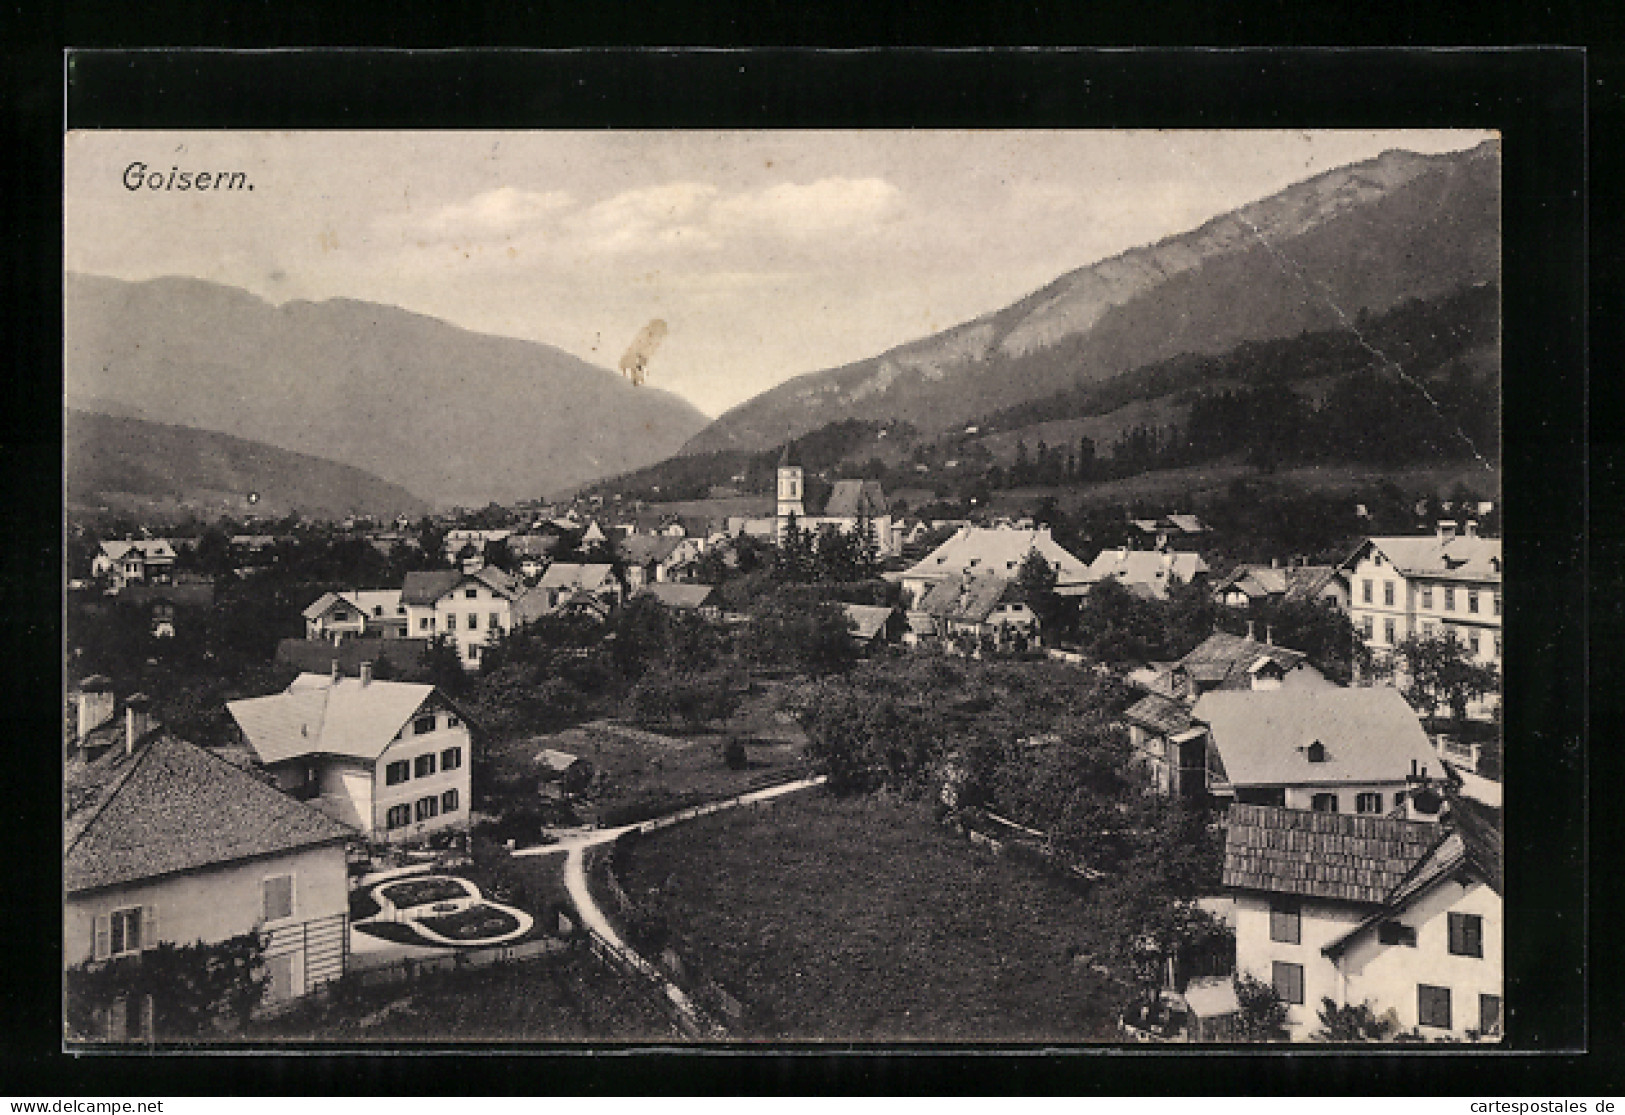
<point x="454" y="416"/>
<point x="126" y="464"/>
<point x="1362" y="237"/>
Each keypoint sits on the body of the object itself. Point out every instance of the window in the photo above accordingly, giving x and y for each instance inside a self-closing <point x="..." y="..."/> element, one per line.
<point x="1286" y="922"/>
<point x="1466" y="935"/>
<point x="126" y="931"/>
<point x="451" y="621"/>
<point x="1365" y="627"/>
<point x="471" y="593"/>
<point x="1388" y="631"/>
<point x="1288" y="981"/>
<point x="1365" y="591"/>
<point x="1323" y="803"/>
<point x="1497" y="603"/>
<point x="1472" y="601"/>
<point x="1396" y="933"/>
<point x="1472" y="641"/>
<point x="448" y="801"/>
<point x="1368" y="803"/>
<point x="451" y="758"/>
<point x="1427" y="596"/>
<point x="277" y="897"/>
<point x="423" y="725"/>
<point x="1498" y="646"/>
<point x="424" y="622"/>
<point x="423" y="766"/>
<point x="1489" y="1014"/>
<point x="493" y="621"/>
<point x="474" y="653"/>
<point x="398" y="817"/>
<point x="473" y="621"/>
<point x="1433" y="1006"/>
<point x="428" y="807"/>
<point x="1449" y="599"/>
<point x="397" y="772"/>
<point x="1427" y="629"/>
<point x="451" y="720"/>
<point x="1388" y="593"/>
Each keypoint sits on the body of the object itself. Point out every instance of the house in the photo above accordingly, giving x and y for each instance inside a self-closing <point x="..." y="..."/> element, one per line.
<point x="976" y="550"/>
<point x="470" y="543"/>
<point x="1438" y="584"/>
<point x="686" y="597"/>
<point x="978" y="606"/>
<point x="1401" y="914"/>
<point x="532" y="552"/>
<point x="1249" y="585"/>
<point x="165" y="599"/>
<point x="874" y="625"/>
<point x="1169" y="744"/>
<point x="648" y="558"/>
<point x="571" y="773"/>
<point x="388" y="758"/>
<point x="133" y="561"/>
<point x="1329" y="750"/>
<point x="336" y="616"/>
<point x="1169" y="532"/>
<point x="1146" y="573"/>
<point x="402" y="659"/>
<point x="469" y="608"/>
<point x="166" y="842"/>
<point x="564" y="580"/>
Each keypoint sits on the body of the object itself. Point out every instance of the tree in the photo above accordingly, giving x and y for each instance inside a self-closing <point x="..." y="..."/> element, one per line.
<point x="197" y="991"/>
<point x="444" y="665"/>
<point x="1261" y="1015"/>
<point x="791" y="629"/>
<point x="1353" y="1024"/>
<point x="1439" y="673"/>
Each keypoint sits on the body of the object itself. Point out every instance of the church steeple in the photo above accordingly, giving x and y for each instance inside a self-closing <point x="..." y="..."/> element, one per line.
<point x="790" y="487"/>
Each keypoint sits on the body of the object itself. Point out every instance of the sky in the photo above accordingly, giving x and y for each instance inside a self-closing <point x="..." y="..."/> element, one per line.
<point x="765" y="254"/>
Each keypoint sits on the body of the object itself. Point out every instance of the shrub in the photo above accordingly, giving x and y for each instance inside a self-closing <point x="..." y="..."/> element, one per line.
<point x="1262" y="1015"/>
<point x="197" y="991"/>
<point x="1353" y="1024"/>
<point x="733" y="754"/>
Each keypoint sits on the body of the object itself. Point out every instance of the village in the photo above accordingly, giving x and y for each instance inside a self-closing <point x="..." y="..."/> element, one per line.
<point x="607" y="769"/>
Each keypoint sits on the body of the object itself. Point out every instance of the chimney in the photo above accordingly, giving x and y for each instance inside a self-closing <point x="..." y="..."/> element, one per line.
<point x="95" y="704"/>
<point x="1469" y="529"/>
<point x="366" y="673"/>
<point x="1249" y="629"/>
<point x="1447" y="530"/>
<point x="1269" y="637"/>
<point x="1275" y="563"/>
<point x="136" y="720"/>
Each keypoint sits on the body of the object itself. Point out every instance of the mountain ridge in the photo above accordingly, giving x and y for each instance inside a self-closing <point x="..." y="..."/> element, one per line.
<point x="1363" y="236"/>
<point x="453" y="415"/>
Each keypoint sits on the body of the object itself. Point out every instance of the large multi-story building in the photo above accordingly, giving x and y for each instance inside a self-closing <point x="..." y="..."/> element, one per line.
<point x="1446" y="583"/>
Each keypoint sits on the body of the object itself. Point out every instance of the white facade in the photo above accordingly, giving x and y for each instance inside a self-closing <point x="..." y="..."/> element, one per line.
<point x="468" y="615"/>
<point x="1268" y="960"/>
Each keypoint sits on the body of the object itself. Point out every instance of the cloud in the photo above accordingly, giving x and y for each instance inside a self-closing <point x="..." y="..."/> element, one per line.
<point x="668" y="215"/>
<point x="829" y="205"/>
<point x="503" y="212"/>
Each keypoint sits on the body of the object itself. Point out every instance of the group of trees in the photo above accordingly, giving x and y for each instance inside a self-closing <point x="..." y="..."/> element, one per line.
<point x="827" y="554"/>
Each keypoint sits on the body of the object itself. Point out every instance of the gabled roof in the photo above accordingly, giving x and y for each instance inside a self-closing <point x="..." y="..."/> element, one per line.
<point x="556" y="760"/>
<point x="640" y="549"/>
<point x="1151" y="570"/>
<point x="1459" y="558"/>
<point x="1001" y="550"/>
<point x="1159" y="714"/>
<point x="150" y="549"/>
<point x="424" y="588"/>
<point x="569" y="574"/>
<point x="1263" y="736"/>
<point x="967" y="599"/>
<point x="868" y="620"/>
<point x="1341" y="856"/>
<point x="1226" y="661"/>
<point x="316" y="656"/>
<point x="315" y="716"/>
<point x="174" y="807"/>
<point x="679" y="595"/>
<point x="851" y="499"/>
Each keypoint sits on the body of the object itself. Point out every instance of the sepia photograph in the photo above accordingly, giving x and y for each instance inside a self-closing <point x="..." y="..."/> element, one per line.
<point x="897" y="587"/>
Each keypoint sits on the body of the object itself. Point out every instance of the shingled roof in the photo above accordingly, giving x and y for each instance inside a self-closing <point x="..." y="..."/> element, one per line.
<point x="1293" y="583"/>
<point x="1227" y="659"/>
<point x="1322" y="855"/>
<point x="172" y="807"/>
<point x="1159" y="714"/>
<point x="967" y="599"/>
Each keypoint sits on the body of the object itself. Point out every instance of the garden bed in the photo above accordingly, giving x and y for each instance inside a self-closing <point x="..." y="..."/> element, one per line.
<point x="420" y="892"/>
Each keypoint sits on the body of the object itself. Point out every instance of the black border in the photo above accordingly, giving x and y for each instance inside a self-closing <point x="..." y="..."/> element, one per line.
<point x="1537" y="98"/>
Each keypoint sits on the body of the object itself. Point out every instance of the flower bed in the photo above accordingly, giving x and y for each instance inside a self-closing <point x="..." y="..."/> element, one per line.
<point x="421" y="892"/>
<point x="475" y="923"/>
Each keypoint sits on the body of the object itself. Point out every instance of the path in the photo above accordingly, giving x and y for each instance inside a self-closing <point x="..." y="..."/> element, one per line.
<point x="575" y="877"/>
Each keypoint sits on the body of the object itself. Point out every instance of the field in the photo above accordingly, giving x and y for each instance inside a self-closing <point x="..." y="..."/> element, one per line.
<point x="856" y="919"/>
<point x="634" y="764"/>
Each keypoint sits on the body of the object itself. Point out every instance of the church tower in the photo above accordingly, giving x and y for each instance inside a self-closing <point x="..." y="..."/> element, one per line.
<point x="790" y="489"/>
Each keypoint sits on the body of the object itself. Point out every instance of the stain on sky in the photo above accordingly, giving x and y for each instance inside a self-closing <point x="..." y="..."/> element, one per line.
<point x="635" y="364"/>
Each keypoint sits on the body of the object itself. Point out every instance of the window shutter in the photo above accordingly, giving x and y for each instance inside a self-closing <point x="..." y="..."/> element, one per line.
<point x="149" y="927"/>
<point x="102" y="934"/>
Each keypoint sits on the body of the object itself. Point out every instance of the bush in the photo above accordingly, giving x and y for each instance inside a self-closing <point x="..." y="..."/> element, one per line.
<point x="1262" y="1015"/>
<point x="733" y="754"/>
<point x="198" y="991"/>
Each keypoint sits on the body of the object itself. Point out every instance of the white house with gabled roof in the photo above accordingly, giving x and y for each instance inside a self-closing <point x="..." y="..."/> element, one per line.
<point x="469" y="608"/>
<point x="389" y="758"/>
<point x="977" y="551"/>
